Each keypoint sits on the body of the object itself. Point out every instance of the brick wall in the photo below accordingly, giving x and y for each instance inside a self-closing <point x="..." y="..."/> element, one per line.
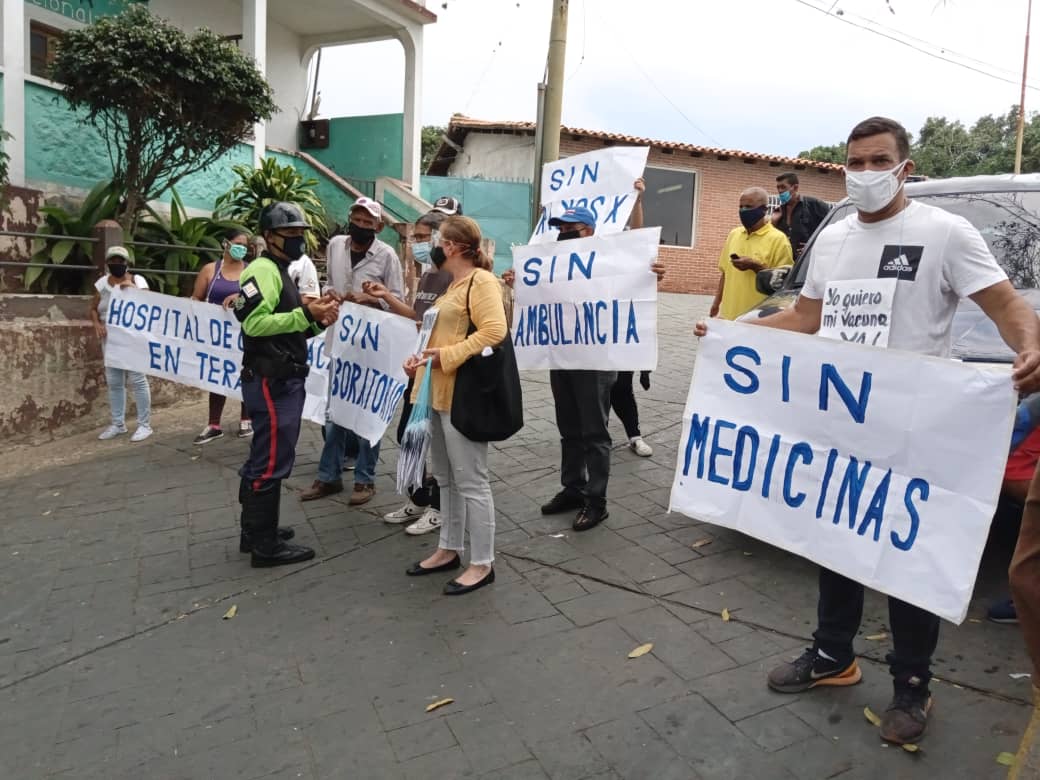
<point x="719" y="184"/>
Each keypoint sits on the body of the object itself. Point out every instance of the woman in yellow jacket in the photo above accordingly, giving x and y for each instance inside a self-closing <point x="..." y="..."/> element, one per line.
<point x="458" y="464"/>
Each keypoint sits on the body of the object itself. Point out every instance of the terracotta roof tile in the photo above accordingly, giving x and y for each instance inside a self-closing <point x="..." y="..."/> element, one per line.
<point x="460" y="126"/>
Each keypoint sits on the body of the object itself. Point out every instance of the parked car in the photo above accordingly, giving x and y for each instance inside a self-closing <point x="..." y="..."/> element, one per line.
<point x="1005" y="209"/>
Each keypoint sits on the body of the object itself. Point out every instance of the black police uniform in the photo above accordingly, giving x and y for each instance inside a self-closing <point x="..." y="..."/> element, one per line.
<point x="275" y="329"/>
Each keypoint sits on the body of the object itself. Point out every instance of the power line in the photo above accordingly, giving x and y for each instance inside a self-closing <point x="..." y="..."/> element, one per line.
<point x="621" y="45"/>
<point x="909" y="45"/>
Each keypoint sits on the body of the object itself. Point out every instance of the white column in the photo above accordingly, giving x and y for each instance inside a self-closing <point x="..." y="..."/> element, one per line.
<point x="14" y="88"/>
<point x="411" y="39"/>
<point x="254" y="41"/>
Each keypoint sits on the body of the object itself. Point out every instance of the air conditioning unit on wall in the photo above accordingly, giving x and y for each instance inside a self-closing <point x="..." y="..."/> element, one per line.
<point x="314" y="134"/>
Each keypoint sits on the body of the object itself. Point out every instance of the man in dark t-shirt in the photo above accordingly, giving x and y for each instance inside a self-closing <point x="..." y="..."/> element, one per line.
<point x="799" y="215"/>
<point x="422" y="510"/>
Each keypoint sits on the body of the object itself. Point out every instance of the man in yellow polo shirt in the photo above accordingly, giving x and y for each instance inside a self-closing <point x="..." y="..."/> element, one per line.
<point x="754" y="246"/>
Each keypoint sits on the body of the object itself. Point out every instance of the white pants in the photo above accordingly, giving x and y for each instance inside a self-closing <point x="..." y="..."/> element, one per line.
<point x="460" y="468"/>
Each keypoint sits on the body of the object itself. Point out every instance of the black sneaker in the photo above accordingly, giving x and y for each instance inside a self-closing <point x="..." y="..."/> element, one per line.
<point x="907" y="715"/>
<point x="564" y="501"/>
<point x="811" y="669"/>
<point x="590" y="517"/>
<point x="208" y="434"/>
<point x="1003" y="612"/>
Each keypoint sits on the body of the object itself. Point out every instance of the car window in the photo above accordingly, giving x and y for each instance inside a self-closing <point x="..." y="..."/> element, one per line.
<point x="1008" y="221"/>
<point x="802" y="266"/>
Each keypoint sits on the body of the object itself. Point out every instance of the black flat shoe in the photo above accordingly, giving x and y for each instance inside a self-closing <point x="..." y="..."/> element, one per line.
<point x="420" y="571"/>
<point x="454" y="589"/>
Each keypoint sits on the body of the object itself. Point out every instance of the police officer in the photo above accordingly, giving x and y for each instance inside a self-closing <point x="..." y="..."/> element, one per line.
<point x="275" y="328"/>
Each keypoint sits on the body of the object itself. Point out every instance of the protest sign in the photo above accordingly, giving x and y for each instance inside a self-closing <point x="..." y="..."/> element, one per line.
<point x="859" y="311"/>
<point x="192" y="343"/>
<point x="366" y="364"/>
<point x="881" y="465"/>
<point x="601" y="181"/>
<point x="588" y="303"/>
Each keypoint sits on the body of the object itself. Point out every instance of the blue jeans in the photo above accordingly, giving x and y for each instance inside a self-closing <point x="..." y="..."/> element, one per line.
<point x="340" y="443"/>
<point x="116" y="379"/>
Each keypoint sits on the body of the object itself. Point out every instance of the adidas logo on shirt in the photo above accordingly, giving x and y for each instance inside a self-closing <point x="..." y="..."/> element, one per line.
<point x="900" y="262"/>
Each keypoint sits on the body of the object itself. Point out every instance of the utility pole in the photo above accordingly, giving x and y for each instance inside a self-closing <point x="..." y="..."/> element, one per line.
<point x="1022" y="100"/>
<point x="552" y="100"/>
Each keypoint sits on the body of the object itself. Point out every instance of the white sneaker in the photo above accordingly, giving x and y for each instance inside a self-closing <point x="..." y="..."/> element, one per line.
<point x="405" y="514"/>
<point x="430" y="521"/>
<point x="111" y="432"/>
<point x="142" y="433"/>
<point x="640" y="447"/>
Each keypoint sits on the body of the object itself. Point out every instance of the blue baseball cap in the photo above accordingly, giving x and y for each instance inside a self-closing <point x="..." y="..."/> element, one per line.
<point x="579" y="214"/>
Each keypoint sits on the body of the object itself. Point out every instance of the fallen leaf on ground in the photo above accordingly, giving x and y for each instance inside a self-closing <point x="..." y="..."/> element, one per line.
<point x="974" y="620"/>
<point x="438" y="704"/>
<point x="910" y="747"/>
<point x="877" y="637"/>
<point x="748" y="554"/>
<point x="1006" y="759"/>
<point x="231" y="612"/>
<point x="195" y="457"/>
<point x="1019" y="675"/>
<point x="700" y="543"/>
<point x="46" y="513"/>
<point x="641" y="650"/>
<point x="869" y="715"/>
<point x="725" y="615"/>
<point x="558" y="536"/>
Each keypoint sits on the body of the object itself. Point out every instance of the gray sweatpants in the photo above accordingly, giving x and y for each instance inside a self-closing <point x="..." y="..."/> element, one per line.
<point x="460" y="468"/>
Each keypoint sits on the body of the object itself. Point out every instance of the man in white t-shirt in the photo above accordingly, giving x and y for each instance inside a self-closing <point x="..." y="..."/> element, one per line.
<point x="934" y="259"/>
<point x="305" y="277"/>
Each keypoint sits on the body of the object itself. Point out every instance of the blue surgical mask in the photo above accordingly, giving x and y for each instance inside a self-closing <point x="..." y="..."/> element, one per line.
<point x="237" y="251"/>
<point x="421" y="252"/>
<point x="785" y="197"/>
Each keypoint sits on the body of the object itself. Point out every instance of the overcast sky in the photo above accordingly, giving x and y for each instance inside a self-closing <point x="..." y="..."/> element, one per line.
<point x="772" y="76"/>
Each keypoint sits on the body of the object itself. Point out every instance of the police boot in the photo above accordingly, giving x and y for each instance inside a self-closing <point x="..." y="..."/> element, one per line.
<point x="261" y="510"/>
<point x="245" y="542"/>
<point x="1027" y="762"/>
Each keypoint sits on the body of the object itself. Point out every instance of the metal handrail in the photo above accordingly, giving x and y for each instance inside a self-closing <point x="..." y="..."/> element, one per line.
<point x="59" y="267"/>
<point x="20" y="234"/>
<point x="93" y="240"/>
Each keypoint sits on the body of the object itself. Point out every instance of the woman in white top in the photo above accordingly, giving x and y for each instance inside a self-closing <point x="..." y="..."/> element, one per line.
<point x="117" y="260"/>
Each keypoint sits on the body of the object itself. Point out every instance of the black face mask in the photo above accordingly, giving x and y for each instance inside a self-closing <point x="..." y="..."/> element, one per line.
<point x="567" y="235"/>
<point x="437" y="256"/>
<point x="361" y="235"/>
<point x="293" y="247"/>
<point x="118" y="270"/>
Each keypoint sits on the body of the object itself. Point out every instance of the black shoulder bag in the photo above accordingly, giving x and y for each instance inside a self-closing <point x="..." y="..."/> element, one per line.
<point x="487" y="404"/>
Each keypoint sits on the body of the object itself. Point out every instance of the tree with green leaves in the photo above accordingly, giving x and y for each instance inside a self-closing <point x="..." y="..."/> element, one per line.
<point x="167" y="103"/>
<point x="946" y="147"/>
<point x="431" y="142"/>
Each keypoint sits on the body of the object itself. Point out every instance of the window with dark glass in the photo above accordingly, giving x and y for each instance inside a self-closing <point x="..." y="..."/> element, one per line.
<point x="668" y="202"/>
<point x="43" y="46"/>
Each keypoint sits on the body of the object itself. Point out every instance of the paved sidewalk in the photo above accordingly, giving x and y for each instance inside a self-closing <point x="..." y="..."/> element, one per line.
<point x="121" y="559"/>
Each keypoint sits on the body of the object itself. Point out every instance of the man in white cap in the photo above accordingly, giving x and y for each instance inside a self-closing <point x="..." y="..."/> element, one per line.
<point x="352" y="260"/>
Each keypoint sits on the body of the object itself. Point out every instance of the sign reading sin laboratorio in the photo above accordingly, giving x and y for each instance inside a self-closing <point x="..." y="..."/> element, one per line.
<point x="86" y="11"/>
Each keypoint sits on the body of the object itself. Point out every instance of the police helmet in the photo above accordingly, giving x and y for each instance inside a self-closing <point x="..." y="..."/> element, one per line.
<point x="276" y="216"/>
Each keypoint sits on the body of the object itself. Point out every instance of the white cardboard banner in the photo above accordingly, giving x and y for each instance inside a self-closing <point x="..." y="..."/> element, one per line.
<point x="192" y="343"/>
<point x="601" y="181"/>
<point x="366" y="368"/>
<point x="589" y="303"/>
<point x="884" y="466"/>
<point x="859" y="311"/>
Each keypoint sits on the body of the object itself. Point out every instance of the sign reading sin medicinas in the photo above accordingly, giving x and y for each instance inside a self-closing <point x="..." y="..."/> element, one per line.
<point x="884" y="466"/>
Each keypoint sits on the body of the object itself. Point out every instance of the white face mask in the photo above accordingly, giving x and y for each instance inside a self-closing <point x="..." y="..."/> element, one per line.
<point x="871" y="191"/>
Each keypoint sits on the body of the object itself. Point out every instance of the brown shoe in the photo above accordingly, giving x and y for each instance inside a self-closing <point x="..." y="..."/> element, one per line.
<point x="362" y="494"/>
<point x="906" y="717"/>
<point x="321" y="489"/>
